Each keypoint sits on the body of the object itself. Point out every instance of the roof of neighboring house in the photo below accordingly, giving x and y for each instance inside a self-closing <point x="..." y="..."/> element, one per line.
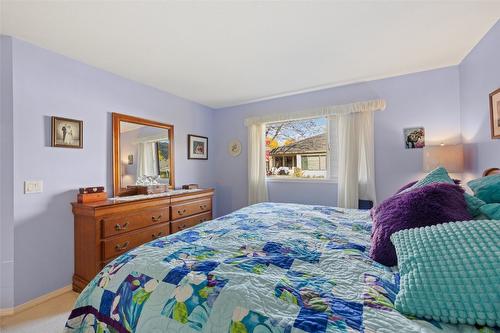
<point x="314" y="144"/>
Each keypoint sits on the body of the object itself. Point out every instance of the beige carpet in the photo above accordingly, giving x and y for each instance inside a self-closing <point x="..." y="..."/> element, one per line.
<point x="48" y="317"/>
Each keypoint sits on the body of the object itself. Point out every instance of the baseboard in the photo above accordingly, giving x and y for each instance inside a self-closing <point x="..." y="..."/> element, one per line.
<point x="34" y="302"/>
<point x="6" y="312"/>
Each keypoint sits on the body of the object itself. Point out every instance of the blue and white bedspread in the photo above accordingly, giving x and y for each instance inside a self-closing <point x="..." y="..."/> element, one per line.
<point x="265" y="268"/>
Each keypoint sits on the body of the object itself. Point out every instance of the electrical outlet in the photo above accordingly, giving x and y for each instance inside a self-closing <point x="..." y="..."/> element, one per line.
<point x="33" y="186"/>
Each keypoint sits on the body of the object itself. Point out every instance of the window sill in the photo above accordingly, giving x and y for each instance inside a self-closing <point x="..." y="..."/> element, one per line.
<point x="301" y="180"/>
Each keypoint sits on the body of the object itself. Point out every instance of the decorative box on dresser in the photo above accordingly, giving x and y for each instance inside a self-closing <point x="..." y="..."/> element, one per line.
<point x="104" y="230"/>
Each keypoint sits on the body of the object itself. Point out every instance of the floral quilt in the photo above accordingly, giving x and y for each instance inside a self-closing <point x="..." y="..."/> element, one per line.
<point x="265" y="268"/>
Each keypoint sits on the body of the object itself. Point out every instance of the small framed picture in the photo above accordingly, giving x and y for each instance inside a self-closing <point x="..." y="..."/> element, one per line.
<point x="67" y="133"/>
<point x="414" y="137"/>
<point x="495" y="114"/>
<point x="197" y="147"/>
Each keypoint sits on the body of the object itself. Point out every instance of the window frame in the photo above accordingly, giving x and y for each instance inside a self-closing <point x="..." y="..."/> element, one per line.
<point x="330" y="176"/>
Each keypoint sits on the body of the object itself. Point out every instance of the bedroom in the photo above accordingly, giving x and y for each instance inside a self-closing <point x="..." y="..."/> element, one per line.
<point x="358" y="100"/>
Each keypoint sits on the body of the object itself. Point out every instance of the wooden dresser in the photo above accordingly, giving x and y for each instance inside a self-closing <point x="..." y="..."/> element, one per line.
<point x="107" y="229"/>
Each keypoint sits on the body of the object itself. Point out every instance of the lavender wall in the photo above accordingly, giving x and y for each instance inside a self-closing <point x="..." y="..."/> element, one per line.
<point x="429" y="99"/>
<point x="47" y="84"/>
<point x="479" y="76"/>
<point x="6" y="171"/>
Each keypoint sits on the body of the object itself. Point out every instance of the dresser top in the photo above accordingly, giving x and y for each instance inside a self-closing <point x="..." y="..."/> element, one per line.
<point x="170" y="195"/>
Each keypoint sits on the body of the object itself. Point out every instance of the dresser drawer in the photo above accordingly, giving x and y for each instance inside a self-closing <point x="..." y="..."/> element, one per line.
<point x="189" y="222"/>
<point x="191" y="208"/>
<point x="115" y="246"/>
<point x="121" y="223"/>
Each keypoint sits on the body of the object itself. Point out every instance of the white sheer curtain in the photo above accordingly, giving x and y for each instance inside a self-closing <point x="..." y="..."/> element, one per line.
<point x="257" y="190"/>
<point x="356" y="167"/>
<point x="147" y="159"/>
<point x="351" y="137"/>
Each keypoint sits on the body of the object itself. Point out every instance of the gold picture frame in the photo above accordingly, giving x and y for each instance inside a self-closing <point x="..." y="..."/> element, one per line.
<point x="66" y="133"/>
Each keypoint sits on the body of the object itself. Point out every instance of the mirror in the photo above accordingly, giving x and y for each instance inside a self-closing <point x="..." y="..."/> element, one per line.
<point x="142" y="153"/>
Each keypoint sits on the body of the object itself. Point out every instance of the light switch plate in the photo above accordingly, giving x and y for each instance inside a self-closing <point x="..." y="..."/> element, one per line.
<point x="33" y="186"/>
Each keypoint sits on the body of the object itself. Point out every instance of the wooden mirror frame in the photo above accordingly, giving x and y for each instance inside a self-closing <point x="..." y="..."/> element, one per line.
<point x="116" y="119"/>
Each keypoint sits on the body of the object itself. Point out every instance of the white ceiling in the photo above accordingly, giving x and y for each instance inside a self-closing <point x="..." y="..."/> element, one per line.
<point x="227" y="53"/>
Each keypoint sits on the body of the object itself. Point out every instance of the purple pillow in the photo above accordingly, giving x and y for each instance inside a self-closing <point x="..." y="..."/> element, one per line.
<point x="427" y="205"/>
<point x="407" y="186"/>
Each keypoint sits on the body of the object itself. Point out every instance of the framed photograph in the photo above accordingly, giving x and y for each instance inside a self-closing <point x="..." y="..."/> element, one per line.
<point x="67" y="133"/>
<point x="197" y="147"/>
<point x="495" y="114"/>
<point x="414" y="137"/>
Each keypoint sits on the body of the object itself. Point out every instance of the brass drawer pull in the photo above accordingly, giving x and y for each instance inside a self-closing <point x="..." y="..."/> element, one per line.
<point x="121" y="247"/>
<point x="203" y="220"/>
<point x="203" y="206"/>
<point x="157" y="218"/>
<point x="181" y="212"/>
<point x="182" y="227"/>
<point x="119" y="227"/>
<point x="157" y="235"/>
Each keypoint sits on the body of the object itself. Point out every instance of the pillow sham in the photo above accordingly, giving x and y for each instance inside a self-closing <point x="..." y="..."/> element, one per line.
<point x="492" y="211"/>
<point x="440" y="175"/>
<point x="407" y="186"/>
<point x="426" y="205"/>
<point x="449" y="272"/>
<point x="486" y="188"/>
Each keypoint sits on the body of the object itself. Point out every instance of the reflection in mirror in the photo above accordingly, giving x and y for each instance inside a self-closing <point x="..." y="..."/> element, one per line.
<point x="144" y="154"/>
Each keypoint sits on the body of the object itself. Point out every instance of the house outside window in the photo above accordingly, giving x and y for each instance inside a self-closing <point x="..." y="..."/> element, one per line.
<point x="297" y="149"/>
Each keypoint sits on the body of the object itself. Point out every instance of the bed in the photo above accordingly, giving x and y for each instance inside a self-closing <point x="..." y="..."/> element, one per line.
<point x="265" y="268"/>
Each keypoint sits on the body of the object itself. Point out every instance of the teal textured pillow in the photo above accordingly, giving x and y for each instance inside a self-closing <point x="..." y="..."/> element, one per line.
<point x="440" y="175"/>
<point x="474" y="204"/>
<point x="486" y="188"/>
<point x="450" y="272"/>
<point x="491" y="210"/>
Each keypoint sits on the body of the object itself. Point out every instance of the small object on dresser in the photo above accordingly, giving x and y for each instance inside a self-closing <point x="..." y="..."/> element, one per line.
<point x="92" y="197"/>
<point x="190" y="187"/>
<point x="149" y="189"/>
<point x="93" y="189"/>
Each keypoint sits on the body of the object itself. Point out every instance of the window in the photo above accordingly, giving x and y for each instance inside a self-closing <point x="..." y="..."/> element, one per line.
<point x="297" y="149"/>
<point x="314" y="162"/>
<point x="162" y="161"/>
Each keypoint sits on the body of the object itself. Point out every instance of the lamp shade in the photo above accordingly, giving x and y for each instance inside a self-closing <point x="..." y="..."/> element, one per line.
<point x="451" y="157"/>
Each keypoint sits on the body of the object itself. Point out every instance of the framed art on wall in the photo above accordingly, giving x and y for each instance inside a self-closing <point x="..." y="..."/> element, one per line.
<point x="495" y="114"/>
<point x="67" y="133"/>
<point x="414" y="137"/>
<point x="197" y="147"/>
